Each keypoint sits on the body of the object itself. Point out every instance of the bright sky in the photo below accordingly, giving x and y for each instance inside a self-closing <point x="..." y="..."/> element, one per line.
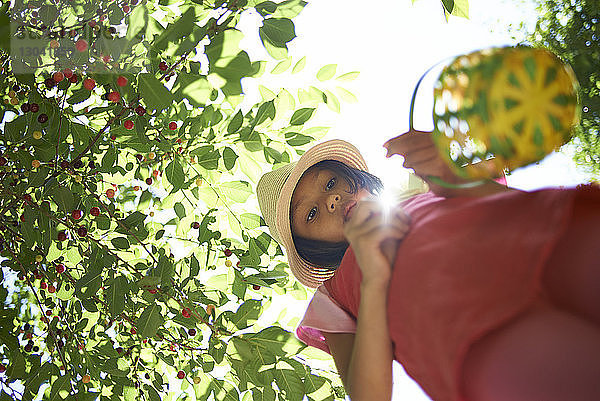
<point x="391" y="43"/>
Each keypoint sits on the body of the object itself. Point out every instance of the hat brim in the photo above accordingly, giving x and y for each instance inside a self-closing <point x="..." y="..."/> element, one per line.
<point x="336" y="149"/>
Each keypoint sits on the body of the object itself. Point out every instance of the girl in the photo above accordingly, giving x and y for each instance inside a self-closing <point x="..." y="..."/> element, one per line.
<point x="486" y="293"/>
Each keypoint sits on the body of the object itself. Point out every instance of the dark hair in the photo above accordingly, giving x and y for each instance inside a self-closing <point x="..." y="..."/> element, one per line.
<point x="329" y="254"/>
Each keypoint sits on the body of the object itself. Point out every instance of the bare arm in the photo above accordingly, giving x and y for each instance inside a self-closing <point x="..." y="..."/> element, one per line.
<point x="364" y="359"/>
<point x="422" y="155"/>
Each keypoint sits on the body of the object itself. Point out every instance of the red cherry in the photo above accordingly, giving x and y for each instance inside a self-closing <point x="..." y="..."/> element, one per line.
<point x="110" y="193"/>
<point x="172" y="125"/>
<point x="113" y="137"/>
<point x="76" y="214"/>
<point x="186" y="312"/>
<point x="81" y="45"/>
<point x="181" y="374"/>
<point x="51" y="289"/>
<point x="149" y="180"/>
<point x="128" y="124"/>
<point x="114" y="96"/>
<point x="62" y="236"/>
<point x="27" y="197"/>
<point x="49" y="82"/>
<point x="58" y="76"/>
<point x="162" y="66"/>
<point x="2" y="368"/>
<point x="34" y="107"/>
<point x="67" y="72"/>
<point x="152" y="291"/>
<point x="82" y="231"/>
<point x="256" y="287"/>
<point x="64" y="164"/>
<point x="140" y="111"/>
<point x="89" y="84"/>
<point x="60" y="268"/>
<point x="42" y="118"/>
<point x="155" y="173"/>
<point x="132" y="331"/>
<point x="74" y="78"/>
<point x="126" y="9"/>
<point x="43" y="285"/>
<point x="92" y="23"/>
<point x="192" y="332"/>
<point x="178" y="140"/>
<point x="121" y="81"/>
<point x="195" y="225"/>
<point x="228" y="252"/>
<point x="48" y="312"/>
<point x="95" y="211"/>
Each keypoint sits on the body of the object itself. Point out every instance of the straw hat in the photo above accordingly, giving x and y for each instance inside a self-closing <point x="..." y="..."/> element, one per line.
<point x="275" y="189"/>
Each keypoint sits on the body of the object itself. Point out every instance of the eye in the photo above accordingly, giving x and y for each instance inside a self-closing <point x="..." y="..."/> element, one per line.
<point x="330" y="184"/>
<point x="311" y="214"/>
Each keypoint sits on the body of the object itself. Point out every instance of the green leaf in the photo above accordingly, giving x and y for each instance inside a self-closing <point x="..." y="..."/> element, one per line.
<point x="349" y="76"/>
<point x="175" y="174"/>
<point x="179" y="210"/>
<point x="115" y="296"/>
<point x="327" y="72"/>
<point x="150" y="321"/>
<point x="237" y="191"/>
<point x="346" y="95"/>
<point x="60" y="388"/>
<point x="138" y="19"/>
<point x="301" y="116"/>
<point x="247" y="314"/>
<point x="229" y="158"/>
<point x="277" y="31"/>
<point x="282" y="66"/>
<point x="299" y="66"/>
<point x="290" y="384"/>
<point x="155" y="95"/>
<point x="235" y="123"/>
<point x="193" y="87"/>
<point x="448" y="5"/>
<point x="179" y="29"/>
<point x="120" y="243"/>
<point x="250" y="220"/>
<point x="63" y="198"/>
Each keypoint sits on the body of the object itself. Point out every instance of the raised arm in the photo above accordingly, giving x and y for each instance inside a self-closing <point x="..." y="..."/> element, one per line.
<point x="421" y="154"/>
<point x="364" y="359"/>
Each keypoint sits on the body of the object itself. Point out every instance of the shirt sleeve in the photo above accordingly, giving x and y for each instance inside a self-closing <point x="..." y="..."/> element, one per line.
<point x="323" y="315"/>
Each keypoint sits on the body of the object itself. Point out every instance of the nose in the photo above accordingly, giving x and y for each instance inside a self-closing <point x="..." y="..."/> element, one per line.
<point x="332" y="202"/>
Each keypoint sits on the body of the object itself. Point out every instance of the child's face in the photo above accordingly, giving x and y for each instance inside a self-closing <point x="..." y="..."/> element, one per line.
<point x="321" y="204"/>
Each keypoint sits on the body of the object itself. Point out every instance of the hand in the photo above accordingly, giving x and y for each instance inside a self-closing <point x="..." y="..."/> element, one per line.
<point x="421" y="154"/>
<point x="374" y="234"/>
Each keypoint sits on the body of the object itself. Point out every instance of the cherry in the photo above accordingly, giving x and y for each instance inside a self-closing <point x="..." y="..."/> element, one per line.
<point x="140" y="111"/>
<point x="43" y="118"/>
<point x="58" y="76"/>
<point x="256" y="287"/>
<point x="82" y="231"/>
<point x="64" y="164"/>
<point x="192" y="332"/>
<point x="132" y="331"/>
<point x="28" y="348"/>
<point x="48" y="312"/>
<point x="122" y="81"/>
<point x="49" y="82"/>
<point x="149" y="180"/>
<point x="3" y="161"/>
<point x="237" y="264"/>
<point x="197" y="380"/>
<point x="126" y="9"/>
<point x="60" y="268"/>
<point x="89" y="84"/>
<point x="228" y="252"/>
<point x="73" y="79"/>
<point x="110" y="193"/>
<point x="27" y="197"/>
<point x="186" y="312"/>
<point x="51" y="289"/>
<point x="67" y="72"/>
<point x="119" y="350"/>
<point x="228" y="263"/>
<point x="86" y="379"/>
<point x="92" y="23"/>
<point x="152" y="291"/>
<point x="128" y="124"/>
<point x="172" y="125"/>
<point x="77" y="163"/>
<point x="43" y="285"/>
<point x="62" y="236"/>
<point x="155" y="173"/>
<point x="195" y="225"/>
<point x="2" y="368"/>
<point x="162" y="66"/>
<point x="139" y="157"/>
<point x="25" y="107"/>
<point x="34" y="107"/>
<point x="76" y="214"/>
<point x="95" y="211"/>
<point x="114" y="96"/>
<point x="81" y="45"/>
<point x="210" y="308"/>
<point x="113" y="137"/>
<point x="181" y="374"/>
